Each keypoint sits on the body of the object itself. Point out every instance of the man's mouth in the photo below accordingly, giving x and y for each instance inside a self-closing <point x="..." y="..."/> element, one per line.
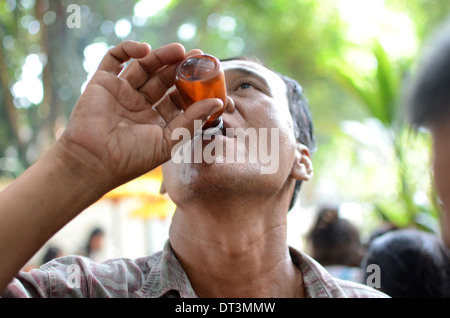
<point x="226" y="130"/>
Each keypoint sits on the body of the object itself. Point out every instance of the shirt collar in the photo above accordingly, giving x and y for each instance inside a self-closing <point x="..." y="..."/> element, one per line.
<point x="167" y="277"/>
<point x="317" y="281"/>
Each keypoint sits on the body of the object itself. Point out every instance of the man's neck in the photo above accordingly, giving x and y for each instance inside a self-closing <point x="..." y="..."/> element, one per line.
<point x="235" y="254"/>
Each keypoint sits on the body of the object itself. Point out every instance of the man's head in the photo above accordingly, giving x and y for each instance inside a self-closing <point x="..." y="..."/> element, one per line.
<point x="334" y="240"/>
<point x="301" y="116"/>
<point x="429" y="95"/>
<point x="263" y="99"/>
<point x="428" y="100"/>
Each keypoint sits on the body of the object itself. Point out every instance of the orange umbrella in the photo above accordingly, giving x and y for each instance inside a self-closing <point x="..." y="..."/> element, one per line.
<point x="146" y="188"/>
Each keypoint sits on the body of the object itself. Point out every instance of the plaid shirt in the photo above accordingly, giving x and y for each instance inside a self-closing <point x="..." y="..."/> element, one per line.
<point x="159" y="275"/>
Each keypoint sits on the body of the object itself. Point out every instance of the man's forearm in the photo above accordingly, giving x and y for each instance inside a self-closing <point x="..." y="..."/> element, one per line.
<point x="37" y="204"/>
<point x="113" y="136"/>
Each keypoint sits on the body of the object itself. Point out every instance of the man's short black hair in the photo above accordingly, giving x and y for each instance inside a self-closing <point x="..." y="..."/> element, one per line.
<point x="303" y="125"/>
<point x="301" y="116"/>
<point x="428" y="97"/>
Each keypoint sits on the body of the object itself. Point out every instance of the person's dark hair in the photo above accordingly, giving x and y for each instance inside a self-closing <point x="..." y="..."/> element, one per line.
<point x="428" y="95"/>
<point x="52" y="253"/>
<point x="303" y="125"/>
<point x="334" y="240"/>
<point x="413" y="264"/>
<point x="94" y="233"/>
<point x="301" y="116"/>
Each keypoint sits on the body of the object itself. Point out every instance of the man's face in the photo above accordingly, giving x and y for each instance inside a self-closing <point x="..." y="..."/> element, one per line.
<point x="261" y="114"/>
<point x="441" y="170"/>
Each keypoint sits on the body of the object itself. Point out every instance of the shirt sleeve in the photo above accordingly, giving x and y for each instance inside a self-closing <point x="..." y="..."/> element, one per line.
<point x="77" y="277"/>
<point x="33" y="284"/>
<point x="61" y="277"/>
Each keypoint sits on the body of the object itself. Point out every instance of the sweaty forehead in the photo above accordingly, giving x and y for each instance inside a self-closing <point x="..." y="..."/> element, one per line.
<point x="273" y="80"/>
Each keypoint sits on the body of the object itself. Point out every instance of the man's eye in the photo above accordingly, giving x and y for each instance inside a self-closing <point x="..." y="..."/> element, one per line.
<point x="245" y="86"/>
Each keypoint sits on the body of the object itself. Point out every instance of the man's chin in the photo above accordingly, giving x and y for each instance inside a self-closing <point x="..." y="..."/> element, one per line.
<point x="212" y="176"/>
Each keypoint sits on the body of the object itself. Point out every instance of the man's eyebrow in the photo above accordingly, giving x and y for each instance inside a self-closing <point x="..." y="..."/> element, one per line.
<point x="248" y="72"/>
<point x="244" y="70"/>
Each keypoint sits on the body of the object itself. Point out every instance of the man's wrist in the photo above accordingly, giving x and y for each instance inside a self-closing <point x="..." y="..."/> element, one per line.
<point x="78" y="167"/>
<point x="42" y="200"/>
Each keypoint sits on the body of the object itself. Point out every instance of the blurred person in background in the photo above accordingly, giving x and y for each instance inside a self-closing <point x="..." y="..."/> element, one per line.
<point x="428" y="102"/>
<point x="335" y="243"/>
<point x="94" y="244"/>
<point x="51" y="253"/>
<point x="412" y="264"/>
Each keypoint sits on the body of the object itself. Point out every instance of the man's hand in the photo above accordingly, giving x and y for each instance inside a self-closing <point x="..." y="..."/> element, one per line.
<point x="114" y="135"/>
<point x="121" y="126"/>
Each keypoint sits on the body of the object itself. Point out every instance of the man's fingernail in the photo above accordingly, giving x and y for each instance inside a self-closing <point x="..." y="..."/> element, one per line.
<point x="216" y="108"/>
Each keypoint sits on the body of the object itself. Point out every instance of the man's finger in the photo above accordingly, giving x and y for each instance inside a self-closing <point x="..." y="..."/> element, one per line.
<point x="134" y="74"/>
<point x="200" y="110"/>
<point x="116" y="57"/>
<point x="162" y="59"/>
<point x="165" y="55"/>
<point x="159" y="82"/>
<point x="167" y="107"/>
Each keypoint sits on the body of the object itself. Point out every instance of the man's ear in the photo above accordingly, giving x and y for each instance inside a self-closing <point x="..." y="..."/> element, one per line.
<point x="302" y="168"/>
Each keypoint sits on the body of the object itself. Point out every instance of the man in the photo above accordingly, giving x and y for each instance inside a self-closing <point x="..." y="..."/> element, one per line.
<point x="428" y="101"/>
<point x="228" y="234"/>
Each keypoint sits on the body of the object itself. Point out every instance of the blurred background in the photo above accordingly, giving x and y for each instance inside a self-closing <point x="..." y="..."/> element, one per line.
<point x="353" y="59"/>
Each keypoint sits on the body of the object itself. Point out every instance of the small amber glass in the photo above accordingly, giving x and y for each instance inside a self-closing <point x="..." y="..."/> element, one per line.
<point x="200" y="77"/>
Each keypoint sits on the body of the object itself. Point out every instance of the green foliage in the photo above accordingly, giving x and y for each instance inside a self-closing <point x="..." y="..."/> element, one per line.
<point x="380" y="95"/>
<point x="283" y="34"/>
<point x="304" y="39"/>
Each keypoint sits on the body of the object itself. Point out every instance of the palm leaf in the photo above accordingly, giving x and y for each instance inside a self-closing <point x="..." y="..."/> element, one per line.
<point x="388" y="84"/>
<point x="362" y="91"/>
